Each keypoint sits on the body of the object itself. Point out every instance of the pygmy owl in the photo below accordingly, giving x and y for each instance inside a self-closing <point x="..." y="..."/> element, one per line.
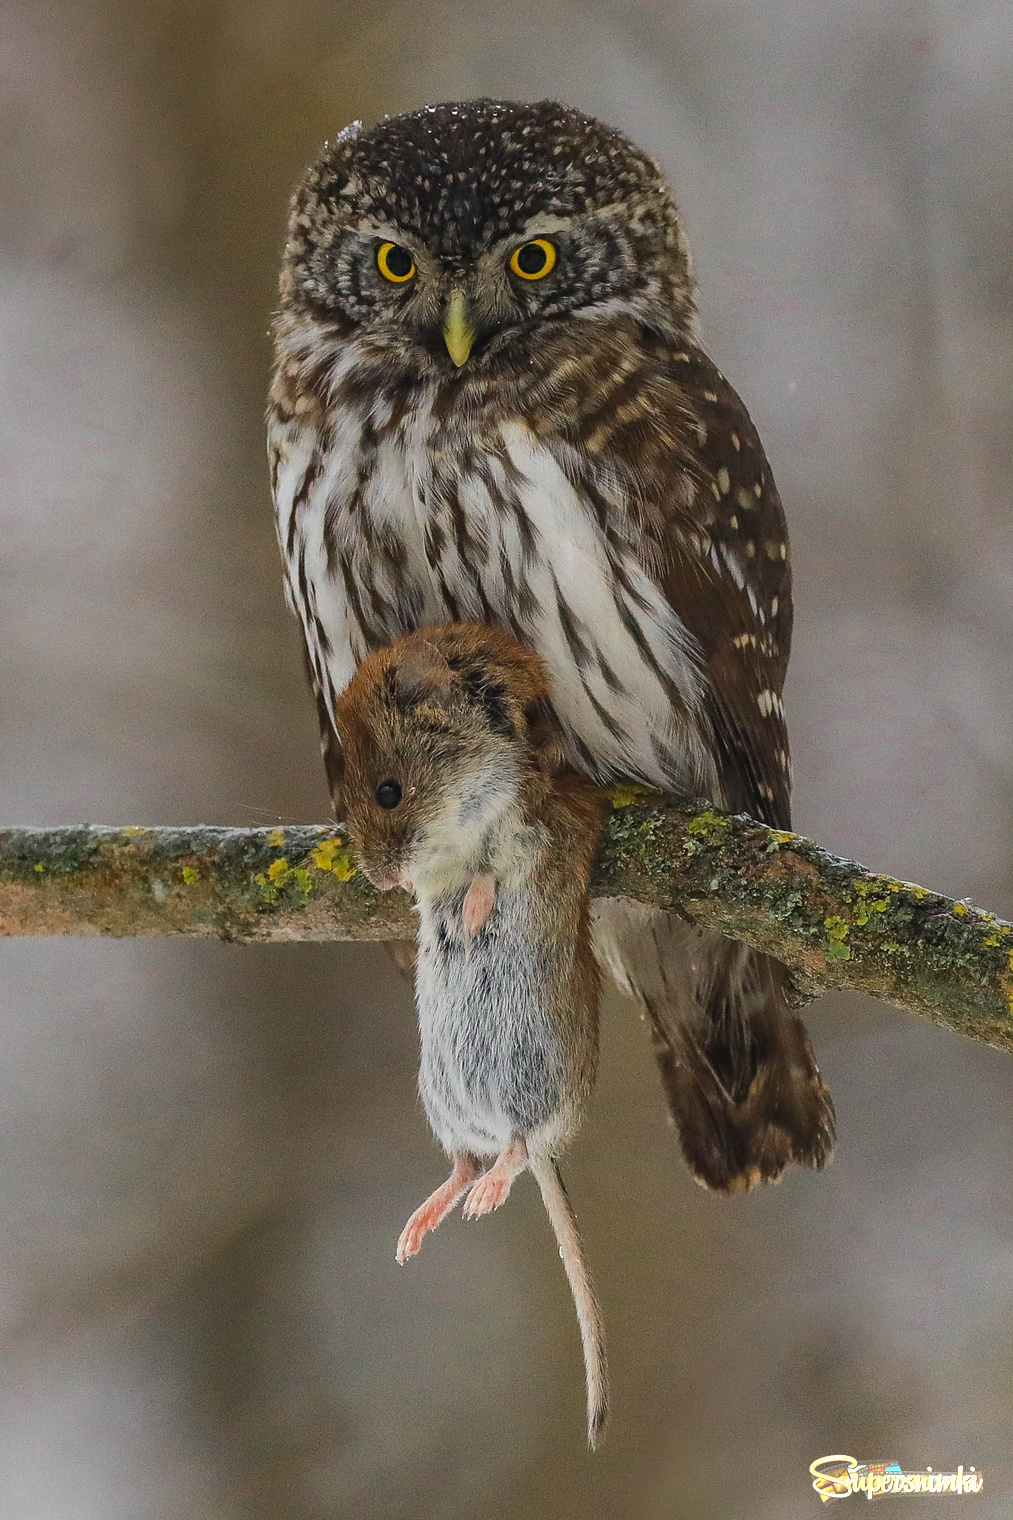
<point x="490" y="402"/>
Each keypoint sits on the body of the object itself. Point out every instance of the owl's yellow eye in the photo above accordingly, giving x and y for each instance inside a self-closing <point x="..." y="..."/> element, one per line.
<point x="395" y="263"/>
<point x="534" y="260"/>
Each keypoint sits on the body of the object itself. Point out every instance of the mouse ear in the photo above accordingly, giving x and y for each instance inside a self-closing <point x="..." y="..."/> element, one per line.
<point x="422" y="671"/>
<point x="545" y="735"/>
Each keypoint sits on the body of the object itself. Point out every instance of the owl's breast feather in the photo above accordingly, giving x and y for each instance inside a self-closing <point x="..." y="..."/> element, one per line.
<point x="403" y="516"/>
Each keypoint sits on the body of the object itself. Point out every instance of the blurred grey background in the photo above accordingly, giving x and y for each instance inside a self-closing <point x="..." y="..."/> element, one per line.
<point x="206" y="1153"/>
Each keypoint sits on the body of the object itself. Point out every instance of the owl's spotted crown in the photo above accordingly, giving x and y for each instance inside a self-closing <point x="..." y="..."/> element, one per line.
<point x="461" y="175"/>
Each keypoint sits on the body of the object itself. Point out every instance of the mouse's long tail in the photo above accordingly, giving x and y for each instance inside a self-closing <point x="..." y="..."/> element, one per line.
<point x="592" y="1333"/>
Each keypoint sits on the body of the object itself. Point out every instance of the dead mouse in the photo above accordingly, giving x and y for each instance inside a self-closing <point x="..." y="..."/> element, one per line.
<point x="454" y="786"/>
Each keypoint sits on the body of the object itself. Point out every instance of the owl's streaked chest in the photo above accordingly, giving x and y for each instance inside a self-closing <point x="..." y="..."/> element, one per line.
<point x="429" y="515"/>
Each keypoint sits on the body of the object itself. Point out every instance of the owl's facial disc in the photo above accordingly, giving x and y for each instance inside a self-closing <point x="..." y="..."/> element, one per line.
<point x="449" y="236"/>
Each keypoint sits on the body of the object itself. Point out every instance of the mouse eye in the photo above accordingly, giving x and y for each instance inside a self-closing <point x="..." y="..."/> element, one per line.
<point x="388" y="794"/>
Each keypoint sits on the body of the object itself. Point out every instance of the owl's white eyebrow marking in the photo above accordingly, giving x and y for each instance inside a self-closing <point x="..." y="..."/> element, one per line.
<point x="535" y="226"/>
<point x="369" y="228"/>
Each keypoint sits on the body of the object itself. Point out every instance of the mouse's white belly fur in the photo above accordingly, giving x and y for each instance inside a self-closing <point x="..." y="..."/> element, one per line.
<point x="491" y="1064"/>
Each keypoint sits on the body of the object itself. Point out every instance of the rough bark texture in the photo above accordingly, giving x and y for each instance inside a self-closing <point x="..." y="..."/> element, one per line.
<point x="834" y="923"/>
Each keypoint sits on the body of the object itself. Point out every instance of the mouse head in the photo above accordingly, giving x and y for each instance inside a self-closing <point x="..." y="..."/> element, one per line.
<point x="438" y="732"/>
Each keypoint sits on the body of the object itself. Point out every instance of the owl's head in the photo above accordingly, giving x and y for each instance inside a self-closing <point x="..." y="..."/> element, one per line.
<point x="453" y="234"/>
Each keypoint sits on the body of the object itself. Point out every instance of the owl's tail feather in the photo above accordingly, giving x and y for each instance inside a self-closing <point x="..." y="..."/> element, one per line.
<point x="742" y="1081"/>
<point x="746" y="1095"/>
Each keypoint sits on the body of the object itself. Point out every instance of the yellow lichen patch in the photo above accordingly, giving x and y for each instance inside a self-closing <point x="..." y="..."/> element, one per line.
<point x="276" y="838"/>
<point x="134" y="829"/>
<point x="704" y="822"/>
<point x="837" y="932"/>
<point x="624" y="793"/>
<point x="917" y="891"/>
<point x="960" y="909"/>
<point x="865" y="909"/>
<point x="189" y="875"/>
<point x="40" y="867"/>
<point x="282" y="880"/>
<point x="333" y="855"/>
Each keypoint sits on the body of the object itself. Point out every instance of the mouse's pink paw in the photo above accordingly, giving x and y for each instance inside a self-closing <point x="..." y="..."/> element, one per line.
<point x="436" y="1207"/>
<point x="422" y="1221"/>
<point x="488" y="1193"/>
<point x="479" y="901"/>
<point x="492" y="1189"/>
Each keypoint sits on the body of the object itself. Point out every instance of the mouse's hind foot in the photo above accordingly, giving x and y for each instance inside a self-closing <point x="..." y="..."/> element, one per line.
<point x="437" y="1206"/>
<point x="493" y="1189"/>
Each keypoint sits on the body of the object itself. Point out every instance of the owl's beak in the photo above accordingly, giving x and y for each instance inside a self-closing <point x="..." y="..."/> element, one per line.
<point x="458" y="332"/>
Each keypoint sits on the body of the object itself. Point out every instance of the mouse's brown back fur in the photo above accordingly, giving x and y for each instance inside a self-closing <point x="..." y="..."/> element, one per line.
<point x="452" y="712"/>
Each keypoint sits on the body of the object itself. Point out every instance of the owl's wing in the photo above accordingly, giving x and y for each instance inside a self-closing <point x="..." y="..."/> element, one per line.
<point x="737" y="1065"/>
<point x="295" y="453"/>
<point x="330" y="744"/>
<point x="722" y="559"/>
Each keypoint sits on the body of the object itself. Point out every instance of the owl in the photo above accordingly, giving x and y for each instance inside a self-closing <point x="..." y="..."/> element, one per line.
<point x="490" y="403"/>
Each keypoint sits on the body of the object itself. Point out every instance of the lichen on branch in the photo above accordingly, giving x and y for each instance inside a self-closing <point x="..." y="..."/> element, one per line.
<point x="833" y="922"/>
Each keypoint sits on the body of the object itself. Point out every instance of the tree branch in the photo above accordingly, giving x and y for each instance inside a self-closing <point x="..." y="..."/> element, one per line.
<point x="834" y="923"/>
